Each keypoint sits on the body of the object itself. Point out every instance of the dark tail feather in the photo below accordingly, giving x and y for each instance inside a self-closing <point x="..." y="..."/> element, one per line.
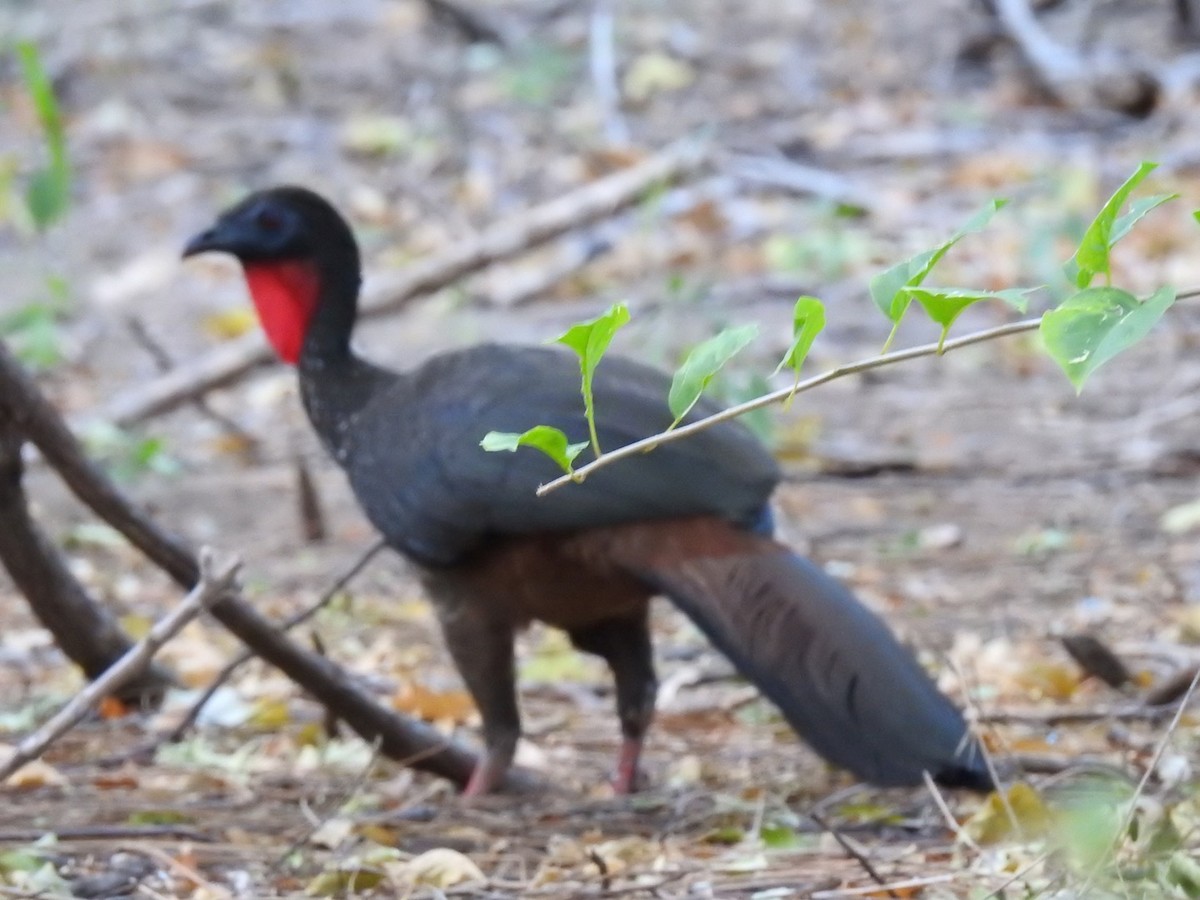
<point x="841" y="679"/>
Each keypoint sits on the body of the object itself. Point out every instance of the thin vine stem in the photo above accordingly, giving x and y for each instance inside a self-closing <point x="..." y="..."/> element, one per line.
<point x="854" y="368"/>
<point x="579" y="475"/>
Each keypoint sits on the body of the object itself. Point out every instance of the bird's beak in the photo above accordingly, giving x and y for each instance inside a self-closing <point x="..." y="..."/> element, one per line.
<point x="228" y="235"/>
<point x="204" y="242"/>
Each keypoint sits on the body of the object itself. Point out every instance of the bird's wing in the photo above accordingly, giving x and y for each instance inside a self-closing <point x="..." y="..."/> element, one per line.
<point x="417" y="467"/>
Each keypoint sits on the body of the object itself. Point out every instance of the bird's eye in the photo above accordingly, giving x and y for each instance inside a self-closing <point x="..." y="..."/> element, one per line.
<point x="268" y="220"/>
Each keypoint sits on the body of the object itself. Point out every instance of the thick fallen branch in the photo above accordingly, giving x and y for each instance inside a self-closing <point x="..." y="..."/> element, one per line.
<point x="399" y="737"/>
<point x="386" y="294"/>
<point x="215" y="580"/>
<point x="89" y="635"/>
<point x="40" y="422"/>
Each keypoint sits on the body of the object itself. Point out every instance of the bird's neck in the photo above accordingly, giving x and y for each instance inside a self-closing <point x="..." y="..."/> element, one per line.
<point x="336" y="383"/>
<point x="326" y="342"/>
<point x="308" y="308"/>
<point x="334" y="391"/>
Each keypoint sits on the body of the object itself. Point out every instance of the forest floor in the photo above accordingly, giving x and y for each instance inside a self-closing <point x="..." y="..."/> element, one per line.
<point x="975" y="500"/>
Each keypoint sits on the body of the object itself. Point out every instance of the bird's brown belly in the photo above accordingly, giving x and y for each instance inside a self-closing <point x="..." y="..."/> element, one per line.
<point x="545" y="578"/>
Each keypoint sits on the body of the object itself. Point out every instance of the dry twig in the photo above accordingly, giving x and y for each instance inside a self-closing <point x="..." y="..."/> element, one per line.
<point x="215" y="580"/>
<point x="856" y="854"/>
<point x="1133" y="712"/>
<point x="947" y="816"/>
<point x="246" y="655"/>
<point x="1126" y="820"/>
<point x="908" y="885"/>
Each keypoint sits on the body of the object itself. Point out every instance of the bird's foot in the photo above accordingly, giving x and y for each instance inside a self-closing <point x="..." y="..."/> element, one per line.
<point x="627" y="779"/>
<point x="488" y="775"/>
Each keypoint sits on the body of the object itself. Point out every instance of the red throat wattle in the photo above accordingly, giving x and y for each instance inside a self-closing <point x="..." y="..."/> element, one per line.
<point x="285" y="295"/>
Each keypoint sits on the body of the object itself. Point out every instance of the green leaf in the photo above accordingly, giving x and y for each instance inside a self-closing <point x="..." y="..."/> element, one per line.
<point x="549" y="440"/>
<point x="590" y="341"/>
<point x="46" y="198"/>
<point x="1092" y="257"/>
<point x="945" y="305"/>
<point x="345" y="882"/>
<point x="20" y="861"/>
<point x="49" y="189"/>
<point x="888" y="287"/>
<point x="1183" y="872"/>
<point x="779" y="837"/>
<point x="34" y="332"/>
<point x="808" y="320"/>
<point x="1137" y="211"/>
<point x="1094" y="325"/>
<point x="702" y="364"/>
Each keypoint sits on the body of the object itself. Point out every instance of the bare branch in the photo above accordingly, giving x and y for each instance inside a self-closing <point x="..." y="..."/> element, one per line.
<point x="83" y="629"/>
<point x="858" y="855"/>
<point x="864" y="365"/>
<point x="602" y="59"/>
<point x="387" y="294"/>
<point x="1133" y="712"/>
<point x="215" y="580"/>
<point x="1070" y="77"/>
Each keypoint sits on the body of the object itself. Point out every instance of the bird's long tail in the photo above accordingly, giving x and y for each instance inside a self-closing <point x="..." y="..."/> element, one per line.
<point x="840" y="677"/>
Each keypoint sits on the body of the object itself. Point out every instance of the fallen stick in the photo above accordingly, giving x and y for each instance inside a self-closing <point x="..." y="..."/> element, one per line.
<point x="215" y="580"/>
<point x="386" y="294"/>
<point x="1069" y="76"/>
<point x="809" y="181"/>
<point x="86" y="631"/>
<point x="1134" y="712"/>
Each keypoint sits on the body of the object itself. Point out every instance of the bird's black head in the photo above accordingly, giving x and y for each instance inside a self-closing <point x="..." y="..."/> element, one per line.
<point x="298" y="254"/>
<point x="277" y="224"/>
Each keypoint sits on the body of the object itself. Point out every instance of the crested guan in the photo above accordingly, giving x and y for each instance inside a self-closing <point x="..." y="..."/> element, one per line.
<point x="690" y="521"/>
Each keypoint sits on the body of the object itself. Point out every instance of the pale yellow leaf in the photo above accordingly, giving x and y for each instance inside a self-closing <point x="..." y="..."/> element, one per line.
<point x="992" y="822"/>
<point x="656" y="73"/>
<point x="35" y="774"/>
<point x="439" y="868"/>
<point x="230" y="323"/>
